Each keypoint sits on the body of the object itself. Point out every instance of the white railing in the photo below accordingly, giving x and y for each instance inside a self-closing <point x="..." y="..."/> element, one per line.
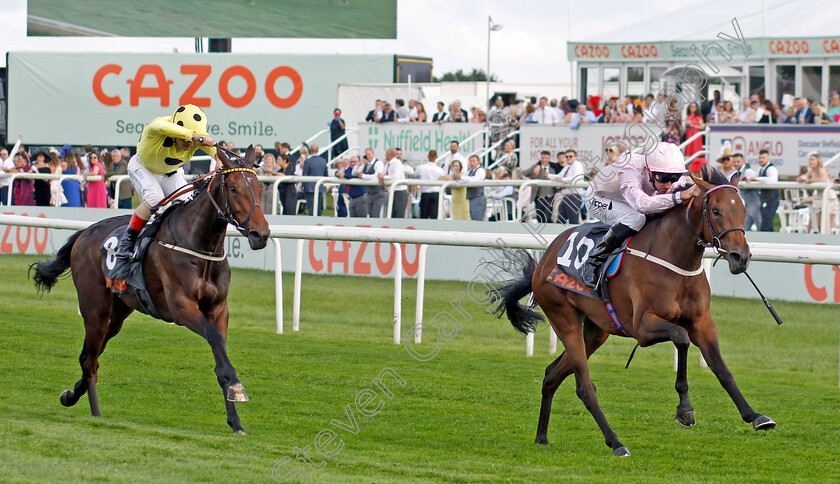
<point x="826" y="213"/>
<point x="795" y="253"/>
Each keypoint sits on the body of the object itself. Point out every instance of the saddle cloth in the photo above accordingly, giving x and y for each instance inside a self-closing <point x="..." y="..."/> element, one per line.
<point x="126" y="277"/>
<point x="575" y="251"/>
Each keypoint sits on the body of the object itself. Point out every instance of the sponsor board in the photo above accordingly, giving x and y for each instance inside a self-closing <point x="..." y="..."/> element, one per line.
<point x="590" y="141"/>
<point x="782" y="281"/>
<point x="248" y="98"/>
<point x="788" y="145"/>
<point x="416" y="139"/>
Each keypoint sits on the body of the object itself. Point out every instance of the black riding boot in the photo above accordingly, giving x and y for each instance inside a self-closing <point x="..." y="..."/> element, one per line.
<point x="613" y="238"/>
<point x="126" y="248"/>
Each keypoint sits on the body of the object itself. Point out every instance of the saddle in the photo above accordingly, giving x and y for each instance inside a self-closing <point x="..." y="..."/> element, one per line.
<point x="575" y="251"/>
<point x="126" y="277"/>
<point x="570" y="260"/>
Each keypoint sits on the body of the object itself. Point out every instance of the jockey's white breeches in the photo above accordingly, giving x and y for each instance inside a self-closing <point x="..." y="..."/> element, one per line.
<point x="153" y="187"/>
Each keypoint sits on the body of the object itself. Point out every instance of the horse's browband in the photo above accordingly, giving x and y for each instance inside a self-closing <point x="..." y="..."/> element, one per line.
<point x="233" y="170"/>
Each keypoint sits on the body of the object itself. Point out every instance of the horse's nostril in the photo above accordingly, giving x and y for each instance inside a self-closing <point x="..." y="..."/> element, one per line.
<point x="735" y="257"/>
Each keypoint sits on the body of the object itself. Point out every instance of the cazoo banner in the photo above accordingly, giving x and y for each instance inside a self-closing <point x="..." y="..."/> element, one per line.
<point x="107" y="98"/>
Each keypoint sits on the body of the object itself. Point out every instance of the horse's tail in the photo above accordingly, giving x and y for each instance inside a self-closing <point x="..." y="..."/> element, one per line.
<point x="518" y="266"/>
<point x="48" y="272"/>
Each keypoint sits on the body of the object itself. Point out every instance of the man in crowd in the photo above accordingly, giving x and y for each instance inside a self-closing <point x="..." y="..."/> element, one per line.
<point x="402" y="111"/>
<point x="582" y="116"/>
<point x="804" y="114"/>
<point x="747" y="114"/>
<point x="413" y="114"/>
<point x="119" y="166"/>
<point x="7" y="164"/>
<point x="429" y="194"/>
<point x="314" y="165"/>
<point x="750" y="197"/>
<point x="375" y="196"/>
<point x="475" y="195"/>
<point x="441" y="115"/>
<point x="542" y="196"/>
<point x="388" y="114"/>
<point x="558" y="110"/>
<point x="375" y="114"/>
<point x="454" y="147"/>
<point x="767" y="173"/>
<point x="394" y="171"/>
<point x="716" y="115"/>
<point x="571" y="171"/>
<point x="545" y="114"/>
<point x="357" y="193"/>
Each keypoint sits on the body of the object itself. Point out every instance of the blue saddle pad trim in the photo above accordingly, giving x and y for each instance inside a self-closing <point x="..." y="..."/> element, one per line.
<point x="614" y="265"/>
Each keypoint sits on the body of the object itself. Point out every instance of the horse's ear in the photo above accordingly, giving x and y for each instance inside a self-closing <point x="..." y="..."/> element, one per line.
<point x="734" y="180"/>
<point x="250" y="156"/>
<point x="702" y="184"/>
<point x="223" y="158"/>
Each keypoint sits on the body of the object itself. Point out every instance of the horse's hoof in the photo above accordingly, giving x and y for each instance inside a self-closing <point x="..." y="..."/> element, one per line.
<point x="236" y="393"/>
<point x="541" y="440"/>
<point x="763" y="422"/>
<point x="686" y="419"/>
<point x="65" y="398"/>
<point x="621" y="452"/>
<point x="240" y="432"/>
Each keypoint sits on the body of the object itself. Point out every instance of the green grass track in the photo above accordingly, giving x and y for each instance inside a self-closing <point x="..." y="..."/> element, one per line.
<point x="468" y="415"/>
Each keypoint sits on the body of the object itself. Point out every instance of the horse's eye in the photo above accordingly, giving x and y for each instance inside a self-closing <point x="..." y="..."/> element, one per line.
<point x="716" y="212"/>
<point x="233" y="190"/>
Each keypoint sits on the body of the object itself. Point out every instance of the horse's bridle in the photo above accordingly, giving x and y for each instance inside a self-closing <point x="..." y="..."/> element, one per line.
<point x="716" y="238"/>
<point x="226" y="214"/>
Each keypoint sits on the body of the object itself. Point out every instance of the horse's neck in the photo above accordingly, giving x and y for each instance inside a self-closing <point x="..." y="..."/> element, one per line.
<point x="674" y="239"/>
<point x="199" y="224"/>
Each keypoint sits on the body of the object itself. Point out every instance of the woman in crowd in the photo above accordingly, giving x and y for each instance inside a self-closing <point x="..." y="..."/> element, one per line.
<point x="57" y="197"/>
<point x="693" y="125"/>
<point x="816" y="174"/>
<point x="42" y="187"/>
<point x="834" y="109"/>
<point x="496" y="120"/>
<point x="770" y="114"/>
<point x="510" y="159"/>
<point x="820" y="114"/>
<point x="638" y="114"/>
<point x="673" y="123"/>
<point x="22" y="190"/>
<point x="421" y="113"/>
<point x="268" y="167"/>
<point x="528" y="116"/>
<point x="729" y="114"/>
<point x="460" y="207"/>
<point x="97" y="195"/>
<point x="72" y="165"/>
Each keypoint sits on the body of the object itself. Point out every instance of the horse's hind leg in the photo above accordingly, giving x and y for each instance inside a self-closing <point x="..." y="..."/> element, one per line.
<point x="557" y="372"/>
<point x="95" y="306"/>
<point x="704" y="334"/>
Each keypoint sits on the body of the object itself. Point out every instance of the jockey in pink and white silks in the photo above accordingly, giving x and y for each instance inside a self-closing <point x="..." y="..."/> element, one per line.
<point x="622" y="193"/>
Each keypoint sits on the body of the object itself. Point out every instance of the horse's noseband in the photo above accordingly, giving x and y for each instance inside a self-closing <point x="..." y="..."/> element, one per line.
<point x="225" y="214"/>
<point x="716" y="238"/>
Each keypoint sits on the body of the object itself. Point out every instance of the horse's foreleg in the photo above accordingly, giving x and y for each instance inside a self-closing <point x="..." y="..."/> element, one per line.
<point x="703" y="333"/>
<point x="652" y="330"/>
<point x="213" y="328"/>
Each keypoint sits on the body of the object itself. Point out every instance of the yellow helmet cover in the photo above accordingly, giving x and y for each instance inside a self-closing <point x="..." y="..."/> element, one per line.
<point x="191" y="117"/>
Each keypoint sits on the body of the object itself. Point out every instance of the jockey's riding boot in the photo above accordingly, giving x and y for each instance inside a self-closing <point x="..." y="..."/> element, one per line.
<point x="126" y="248"/>
<point x="612" y="239"/>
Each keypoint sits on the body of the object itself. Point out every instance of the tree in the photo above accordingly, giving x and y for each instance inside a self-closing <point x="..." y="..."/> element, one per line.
<point x="461" y="76"/>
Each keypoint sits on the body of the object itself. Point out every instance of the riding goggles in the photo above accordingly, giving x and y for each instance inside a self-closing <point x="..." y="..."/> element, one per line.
<point x="667" y="177"/>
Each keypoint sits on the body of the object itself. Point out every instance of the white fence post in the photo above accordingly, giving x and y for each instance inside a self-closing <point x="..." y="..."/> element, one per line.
<point x="278" y="286"/>
<point x="298" y="270"/>
<point x="397" y="293"/>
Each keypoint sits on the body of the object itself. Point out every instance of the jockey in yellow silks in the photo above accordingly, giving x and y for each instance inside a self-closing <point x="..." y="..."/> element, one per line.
<point x="167" y="143"/>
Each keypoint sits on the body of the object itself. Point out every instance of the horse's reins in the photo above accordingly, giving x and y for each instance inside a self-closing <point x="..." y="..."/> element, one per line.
<point x="226" y="215"/>
<point x="716" y="242"/>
